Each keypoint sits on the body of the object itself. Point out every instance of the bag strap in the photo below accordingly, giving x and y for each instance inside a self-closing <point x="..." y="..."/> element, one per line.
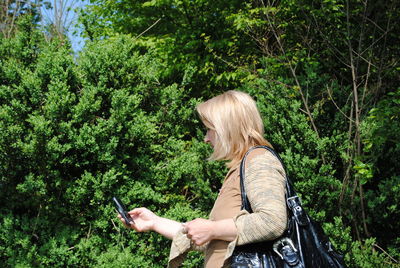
<point x="245" y="202"/>
<point x="292" y="200"/>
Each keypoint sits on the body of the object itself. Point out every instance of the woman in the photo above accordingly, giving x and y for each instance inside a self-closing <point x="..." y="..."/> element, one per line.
<point x="234" y="125"/>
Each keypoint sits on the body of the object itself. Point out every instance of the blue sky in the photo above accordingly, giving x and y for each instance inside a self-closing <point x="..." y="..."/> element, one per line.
<point x="71" y="19"/>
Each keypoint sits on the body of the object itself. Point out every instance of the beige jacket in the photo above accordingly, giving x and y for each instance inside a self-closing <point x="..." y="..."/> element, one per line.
<point x="265" y="188"/>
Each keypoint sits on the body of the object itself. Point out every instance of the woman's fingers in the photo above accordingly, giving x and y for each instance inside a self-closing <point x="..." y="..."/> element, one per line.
<point x="123" y="221"/>
<point x="136" y="212"/>
<point x="184" y="228"/>
<point x="198" y="230"/>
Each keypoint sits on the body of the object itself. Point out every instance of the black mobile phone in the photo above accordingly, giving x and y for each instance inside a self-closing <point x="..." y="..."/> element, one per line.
<point x="122" y="211"/>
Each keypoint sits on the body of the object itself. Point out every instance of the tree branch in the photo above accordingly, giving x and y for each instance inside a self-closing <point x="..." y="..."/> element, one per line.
<point x="151" y="26"/>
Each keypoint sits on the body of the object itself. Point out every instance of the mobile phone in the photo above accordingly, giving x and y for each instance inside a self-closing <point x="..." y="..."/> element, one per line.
<point x="122" y="211"/>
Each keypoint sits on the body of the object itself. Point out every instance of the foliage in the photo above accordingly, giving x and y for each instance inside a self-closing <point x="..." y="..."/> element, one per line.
<point x="382" y="150"/>
<point x="358" y="254"/>
<point x="335" y="56"/>
<point x="119" y="120"/>
<point x="11" y="10"/>
<point x="187" y="34"/>
<point x="75" y="134"/>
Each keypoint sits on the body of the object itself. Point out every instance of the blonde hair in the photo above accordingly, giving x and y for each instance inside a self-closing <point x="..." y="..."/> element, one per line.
<point x="237" y="122"/>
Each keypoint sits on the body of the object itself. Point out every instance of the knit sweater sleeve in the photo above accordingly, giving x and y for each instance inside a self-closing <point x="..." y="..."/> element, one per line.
<point x="265" y="187"/>
<point x="180" y="246"/>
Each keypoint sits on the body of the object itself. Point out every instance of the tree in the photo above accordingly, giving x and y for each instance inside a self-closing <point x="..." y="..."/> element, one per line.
<point x="187" y="34"/>
<point x="11" y="10"/>
<point x="59" y="16"/>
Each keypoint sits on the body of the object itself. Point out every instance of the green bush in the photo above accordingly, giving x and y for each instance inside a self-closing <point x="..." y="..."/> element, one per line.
<point x="76" y="133"/>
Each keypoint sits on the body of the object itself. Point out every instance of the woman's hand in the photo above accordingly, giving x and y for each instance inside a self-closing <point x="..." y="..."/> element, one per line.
<point x="144" y="219"/>
<point x="200" y="231"/>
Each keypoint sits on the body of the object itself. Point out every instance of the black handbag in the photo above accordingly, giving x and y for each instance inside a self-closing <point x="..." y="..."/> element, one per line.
<point x="304" y="243"/>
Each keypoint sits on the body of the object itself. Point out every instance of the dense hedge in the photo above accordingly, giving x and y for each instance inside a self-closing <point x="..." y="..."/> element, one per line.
<point x="74" y="134"/>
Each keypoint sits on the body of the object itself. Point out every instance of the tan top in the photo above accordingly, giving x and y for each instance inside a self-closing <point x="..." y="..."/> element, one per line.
<point x="226" y="206"/>
<point x="265" y="188"/>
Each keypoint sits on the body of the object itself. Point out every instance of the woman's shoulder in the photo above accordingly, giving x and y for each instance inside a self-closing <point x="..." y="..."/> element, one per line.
<point x="261" y="158"/>
<point x="260" y="154"/>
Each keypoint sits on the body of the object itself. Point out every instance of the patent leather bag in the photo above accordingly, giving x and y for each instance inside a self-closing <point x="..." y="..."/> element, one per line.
<point x="303" y="245"/>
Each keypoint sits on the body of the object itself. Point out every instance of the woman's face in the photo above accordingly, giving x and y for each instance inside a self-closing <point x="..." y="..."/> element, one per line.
<point x="210" y="137"/>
